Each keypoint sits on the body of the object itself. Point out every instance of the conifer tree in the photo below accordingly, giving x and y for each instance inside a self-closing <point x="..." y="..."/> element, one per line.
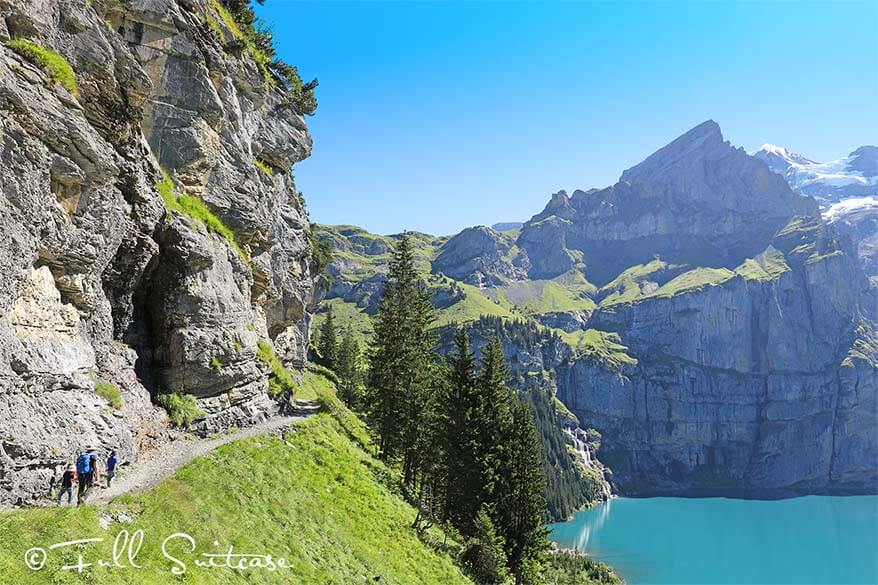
<point x="483" y="557"/>
<point x="521" y="502"/>
<point x="403" y="365"/>
<point x="492" y="416"/>
<point x="328" y="343"/>
<point x="463" y="493"/>
<point x="348" y="368"/>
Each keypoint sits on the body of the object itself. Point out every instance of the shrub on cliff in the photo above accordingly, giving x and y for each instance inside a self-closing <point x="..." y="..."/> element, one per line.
<point x="109" y="392"/>
<point x="253" y="35"/>
<point x="55" y="66"/>
<point x="182" y="409"/>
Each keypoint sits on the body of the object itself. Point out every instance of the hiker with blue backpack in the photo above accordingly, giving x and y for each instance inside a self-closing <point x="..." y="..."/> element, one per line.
<point x="87" y="470"/>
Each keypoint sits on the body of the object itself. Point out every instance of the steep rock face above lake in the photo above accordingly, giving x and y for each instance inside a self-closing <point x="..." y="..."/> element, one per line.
<point x="760" y="380"/>
<point x="697" y="201"/>
<point x="114" y="269"/>
<point x="718" y="332"/>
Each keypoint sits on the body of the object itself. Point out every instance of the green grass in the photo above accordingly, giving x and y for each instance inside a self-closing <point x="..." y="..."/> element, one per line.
<point x="692" y="281"/>
<point x="262" y="60"/>
<point x="818" y="257"/>
<point x="628" y="286"/>
<point x="767" y="266"/>
<point x="109" y="392"/>
<point x="264" y="167"/>
<point x="864" y="347"/>
<point x="473" y="305"/>
<point x="280" y="379"/>
<point x="802" y="224"/>
<point x="365" y="254"/>
<point x="182" y="409"/>
<point x="566" y="293"/>
<point x="315" y="498"/>
<point x="198" y="210"/>
<point x="325" y="394"/>
<point x="56" y="67"/>
<point x="345" y="313"/>
<point x="602" y="345"/>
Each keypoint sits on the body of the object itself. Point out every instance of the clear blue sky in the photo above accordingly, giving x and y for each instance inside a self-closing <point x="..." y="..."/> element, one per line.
<point x="436" y="116"/>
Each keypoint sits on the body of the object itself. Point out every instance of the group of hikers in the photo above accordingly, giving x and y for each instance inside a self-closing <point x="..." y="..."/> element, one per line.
<point x="86" y="474"/>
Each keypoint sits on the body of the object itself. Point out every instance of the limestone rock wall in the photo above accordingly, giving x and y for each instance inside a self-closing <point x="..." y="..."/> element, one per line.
<point x="748" y="387"/>
<point x="98" y="280"/>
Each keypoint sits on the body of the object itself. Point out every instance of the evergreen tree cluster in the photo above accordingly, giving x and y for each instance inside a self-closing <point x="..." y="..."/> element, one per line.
<point x="569" y="487"/>
<point x="343" y="358"/>
<point x="468" y="449"/>
<point x="473" y="453"/>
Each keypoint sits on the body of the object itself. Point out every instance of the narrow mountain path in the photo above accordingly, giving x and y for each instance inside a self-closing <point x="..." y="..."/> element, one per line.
<point x="167" y="459"/>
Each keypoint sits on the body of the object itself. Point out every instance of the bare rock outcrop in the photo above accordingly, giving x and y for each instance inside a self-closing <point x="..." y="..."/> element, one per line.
<point x="150" y="229"/>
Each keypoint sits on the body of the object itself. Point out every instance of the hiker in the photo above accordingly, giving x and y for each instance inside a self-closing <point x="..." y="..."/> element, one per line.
<point x="111" y="467"/>
<point x="95" y="472"/>
<point x="67" y="485"/>
<point x="83" y="470"/>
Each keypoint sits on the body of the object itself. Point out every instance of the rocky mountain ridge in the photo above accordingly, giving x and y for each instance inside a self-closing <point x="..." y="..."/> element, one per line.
<point x="151" y="232"/>
<point x="847" y="189"/>
<point x="720" y="332"/>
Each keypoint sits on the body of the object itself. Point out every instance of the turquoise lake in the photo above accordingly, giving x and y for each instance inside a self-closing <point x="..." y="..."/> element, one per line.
<point x="812" y="539"/>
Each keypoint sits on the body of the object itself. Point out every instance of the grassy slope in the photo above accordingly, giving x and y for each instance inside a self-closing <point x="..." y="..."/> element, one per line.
<point x="603" y="345"/>
<point x="473" y="305"/>
<point x="316" y="499"/>
<point x="693" y="280"/>
<point x="560" y="295"/>
<point x="55" y="66"/>
<point x="766" y="266"/>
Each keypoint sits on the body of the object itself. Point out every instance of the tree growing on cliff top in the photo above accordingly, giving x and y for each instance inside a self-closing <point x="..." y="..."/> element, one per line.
<point x="254" y="34"/>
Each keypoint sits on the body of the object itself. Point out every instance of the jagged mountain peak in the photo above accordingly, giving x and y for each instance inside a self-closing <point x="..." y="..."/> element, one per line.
<point x="698" y="142"/>
<point x="698" y="200"/>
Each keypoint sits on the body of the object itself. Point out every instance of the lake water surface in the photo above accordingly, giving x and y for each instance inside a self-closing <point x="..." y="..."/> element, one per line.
<point x="813" y="539"/>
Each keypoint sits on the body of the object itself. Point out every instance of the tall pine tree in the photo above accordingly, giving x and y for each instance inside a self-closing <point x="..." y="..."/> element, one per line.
<point x="328" y="344"/>
<point x="403" y="367"/>
<point x="348" y="368"/>
<point x="463" y="492"/>
<point x="521" y="503"/>
<point x="493" y="415"/>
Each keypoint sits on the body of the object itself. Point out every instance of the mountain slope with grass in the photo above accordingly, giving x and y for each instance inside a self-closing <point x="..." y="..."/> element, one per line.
<point x="312" y="494"/>
<point x="710" y="317"/>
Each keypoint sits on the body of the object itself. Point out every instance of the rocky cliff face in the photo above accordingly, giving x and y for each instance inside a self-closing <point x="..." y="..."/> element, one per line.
<point x="763" y="380"/>
<point x="697" y="201"/>
<point x="150" y="232"/>
<point x="710" y="324"/>
<point x="847" y="188"/>
<point x="481" y="256"/>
